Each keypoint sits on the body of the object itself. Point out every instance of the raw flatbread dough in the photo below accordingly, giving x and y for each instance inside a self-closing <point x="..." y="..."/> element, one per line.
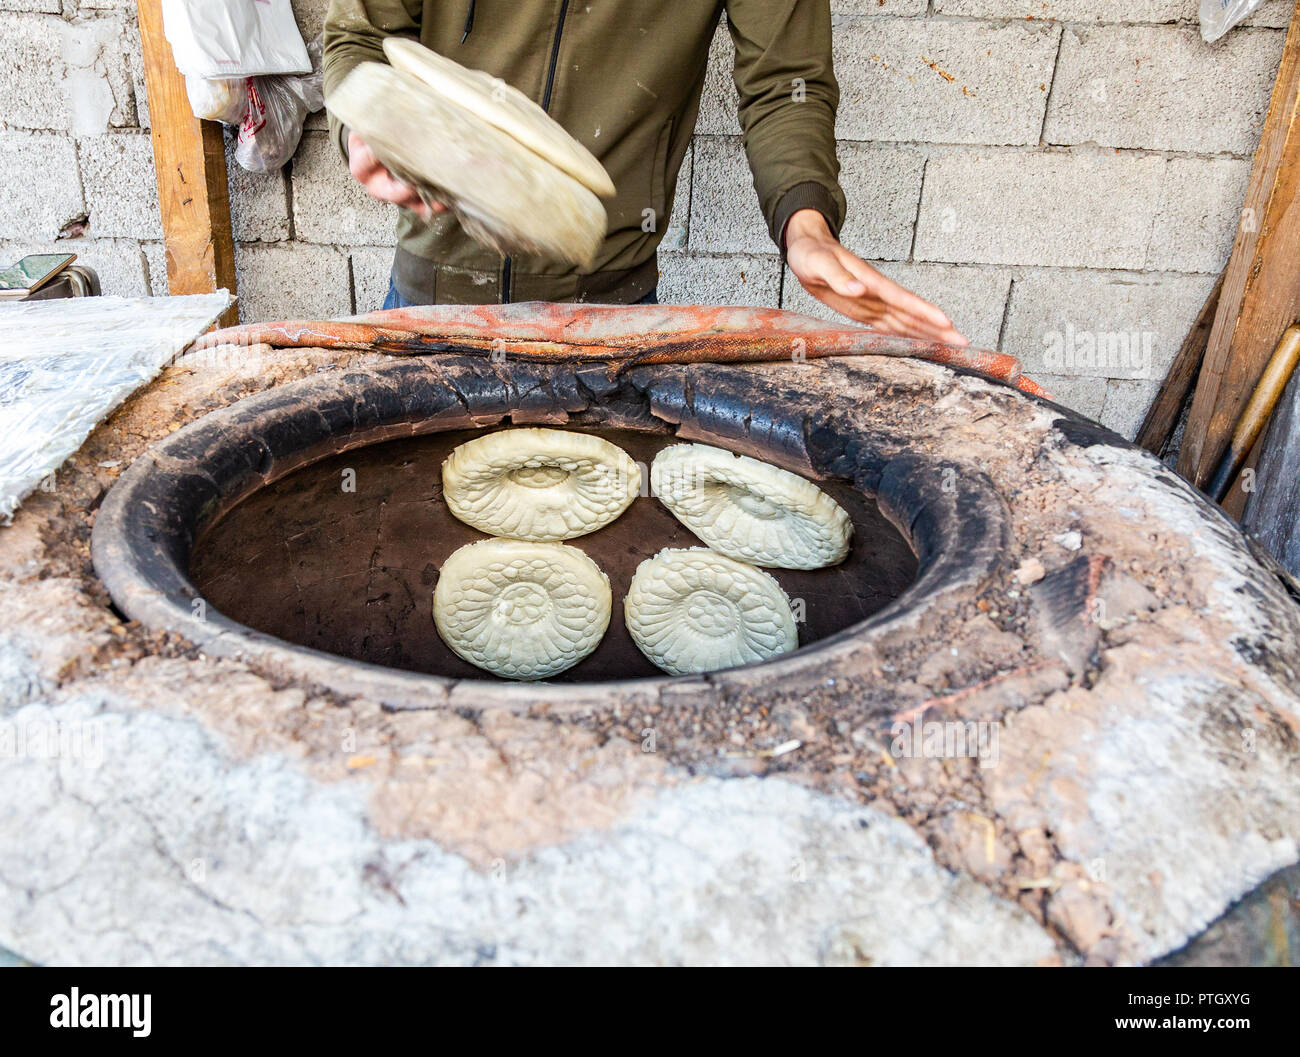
<point x="504" y="195"/>
<point x="502" y="106"/>
<point x="539" y="484"/>
<point x="699" y="611"/>
<point x="521" y="610"/>
<point x="749" y="510"/>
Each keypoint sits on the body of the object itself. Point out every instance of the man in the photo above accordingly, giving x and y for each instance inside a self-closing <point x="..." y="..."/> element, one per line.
<point x="624" y="77"/>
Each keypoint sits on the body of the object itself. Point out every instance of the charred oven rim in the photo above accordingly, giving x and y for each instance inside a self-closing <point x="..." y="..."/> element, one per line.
<point x="955" y="519"/>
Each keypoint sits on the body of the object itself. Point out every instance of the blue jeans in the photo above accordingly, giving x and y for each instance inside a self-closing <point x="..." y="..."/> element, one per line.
<point x="396" y="300"/>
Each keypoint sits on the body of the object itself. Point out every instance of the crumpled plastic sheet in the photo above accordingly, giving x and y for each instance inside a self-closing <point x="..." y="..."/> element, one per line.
<point x="65" y="365"/>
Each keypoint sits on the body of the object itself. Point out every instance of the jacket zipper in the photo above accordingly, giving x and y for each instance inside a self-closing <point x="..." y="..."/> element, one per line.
<point x="546" y="105"/>
<point x="555" y="56"/>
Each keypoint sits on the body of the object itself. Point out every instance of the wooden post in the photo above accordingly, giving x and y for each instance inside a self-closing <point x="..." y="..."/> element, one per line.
<point x="1261" y="287"/>
<point x="190" y="162"/>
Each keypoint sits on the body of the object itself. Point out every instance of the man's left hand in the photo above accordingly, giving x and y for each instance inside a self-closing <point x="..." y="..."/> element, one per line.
<point x="852" y="287"/>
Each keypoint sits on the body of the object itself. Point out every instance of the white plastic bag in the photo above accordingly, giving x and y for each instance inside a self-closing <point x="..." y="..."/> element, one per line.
<point x="276" y="108"/>
<point x="223" y="99"/>
<point x="234" y="38"/>
<point x="1219" y="16"/>
<point x="272" y="124"/>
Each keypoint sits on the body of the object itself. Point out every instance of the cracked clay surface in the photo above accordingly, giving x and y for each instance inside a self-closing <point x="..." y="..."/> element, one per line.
<point x="1138" y="668"/>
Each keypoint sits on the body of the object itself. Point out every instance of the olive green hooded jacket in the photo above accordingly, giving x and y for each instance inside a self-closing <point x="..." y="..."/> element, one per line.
<point x="624" y="77"/>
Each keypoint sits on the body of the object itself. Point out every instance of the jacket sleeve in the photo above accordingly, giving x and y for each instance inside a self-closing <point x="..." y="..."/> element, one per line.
<point x="788" y="96"/>
<point x="354" y="33"/>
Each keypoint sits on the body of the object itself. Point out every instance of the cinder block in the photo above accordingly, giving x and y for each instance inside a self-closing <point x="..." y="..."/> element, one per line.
<point x="690" y="279"/>
<point x="329" y="206"/>
<point x="680" y="221"/>
<point x="259" y="202"/>
<point x="883" y="188"/>
<point x="1200" y="208"/>
<point x="1162" y="88"/>
<point x="97" y="78"/>
<point x="943" y="82"/>
<point x="1126" y="405"/>
<point x="283" y="280"/>
<point x="720" y="98"/>
<point x="310" y="15"/>
<point x="882" y="185"/>
<point x="119" y="263"/>
<point x="874" y="8"/>
<point x="121" y="186"/>
<point x="1084" y="395"/>
<point x="135" y="71"/>
<point x="64" y="76"/>
<point x="39" y="188"/>
<point x="1273" y="13"/>
<point x="1072" y="10"/>
<point x="973" y="298"/>
<point x="1083" y="208"/>
<point x="1101" y="324"/>
<point x="31" y="73"/>
<point x="155" y="260"/>
<point x="724" y="216"/>
<point x="52" y="7"/>
<point x="311" y="22"/>
<point x="371" y="266"/>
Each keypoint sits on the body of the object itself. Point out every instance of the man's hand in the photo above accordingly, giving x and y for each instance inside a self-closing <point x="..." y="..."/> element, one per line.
<point x="382" y="184"/>
<point x="852" y="287"/>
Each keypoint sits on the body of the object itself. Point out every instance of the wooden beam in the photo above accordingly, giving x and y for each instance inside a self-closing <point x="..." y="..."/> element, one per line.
<point x="1162" y="416"/>
<point x="1261" y="287"/>
<point x="190" y="162"/>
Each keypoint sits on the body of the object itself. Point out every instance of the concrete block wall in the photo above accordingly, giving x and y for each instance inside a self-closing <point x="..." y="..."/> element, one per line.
<point x="1063" y="177"/>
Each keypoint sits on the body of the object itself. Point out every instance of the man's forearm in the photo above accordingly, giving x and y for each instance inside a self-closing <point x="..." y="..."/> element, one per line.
<point x="788" y="98"/>
<point x="354" y="33"/>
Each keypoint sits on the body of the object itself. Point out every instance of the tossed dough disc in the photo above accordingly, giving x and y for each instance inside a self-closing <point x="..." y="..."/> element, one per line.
<point x="696" y="610"/>
<point x="539" y="484"/>
<point x="749" y="510"/>
<point x="521" y="610"/>
<point x="503" y="106"/>
<point x="505" y="196"/>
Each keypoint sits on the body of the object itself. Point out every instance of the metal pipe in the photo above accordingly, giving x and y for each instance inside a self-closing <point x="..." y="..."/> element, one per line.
<point x="1257" y="412"/>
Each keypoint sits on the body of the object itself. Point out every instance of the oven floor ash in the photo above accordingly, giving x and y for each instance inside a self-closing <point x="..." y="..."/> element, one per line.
<point x="1080" y="746"/>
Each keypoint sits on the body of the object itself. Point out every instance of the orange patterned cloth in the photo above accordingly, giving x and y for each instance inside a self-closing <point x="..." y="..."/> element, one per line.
<point x="621" y="335"/>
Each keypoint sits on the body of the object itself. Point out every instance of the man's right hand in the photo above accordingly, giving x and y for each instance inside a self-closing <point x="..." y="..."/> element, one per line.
<point x="382" y="184"/>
